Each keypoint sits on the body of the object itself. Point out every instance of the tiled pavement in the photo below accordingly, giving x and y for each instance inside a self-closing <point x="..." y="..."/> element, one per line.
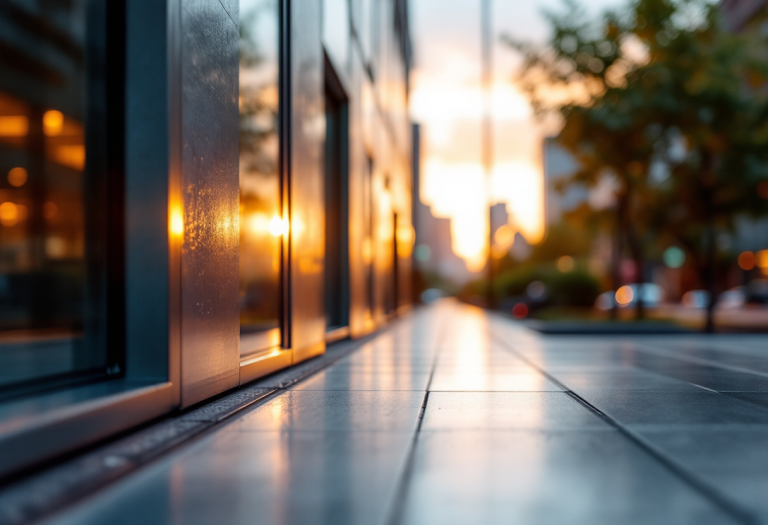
<point x="455" y="417"/>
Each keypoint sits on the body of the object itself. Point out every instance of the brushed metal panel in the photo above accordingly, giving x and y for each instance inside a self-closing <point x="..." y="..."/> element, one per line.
<point x="210" y="357"/>
<point x="307" y="187"/>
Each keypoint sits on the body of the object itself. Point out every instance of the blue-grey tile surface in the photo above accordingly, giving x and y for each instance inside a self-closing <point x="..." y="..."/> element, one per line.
<point x="452" y="416"/>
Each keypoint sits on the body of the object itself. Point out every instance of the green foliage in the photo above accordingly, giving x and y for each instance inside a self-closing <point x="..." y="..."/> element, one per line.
<point x="668" y="106"/>
<point x="577" y="288"/>
<point x="562" y="239"/>
<point x="514" y="282"/>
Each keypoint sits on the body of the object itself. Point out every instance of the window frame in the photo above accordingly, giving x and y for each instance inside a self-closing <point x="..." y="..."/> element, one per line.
<point x="143" y="332"/>
<point x="278" y="356"/>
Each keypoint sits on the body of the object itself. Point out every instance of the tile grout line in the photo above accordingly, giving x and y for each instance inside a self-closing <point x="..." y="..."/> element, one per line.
<point x="64" y="485"/>
<point x="706" y="489"/>
<point x="652" y="349"/>
<point x="397" y="503"/>
<point x="703" y="487"/>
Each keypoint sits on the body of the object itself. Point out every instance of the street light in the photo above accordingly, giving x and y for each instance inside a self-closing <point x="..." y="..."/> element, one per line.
<point x="486" y="34"/>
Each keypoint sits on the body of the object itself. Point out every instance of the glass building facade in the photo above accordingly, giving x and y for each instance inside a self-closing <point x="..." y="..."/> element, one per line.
<point x="192" y="196"/>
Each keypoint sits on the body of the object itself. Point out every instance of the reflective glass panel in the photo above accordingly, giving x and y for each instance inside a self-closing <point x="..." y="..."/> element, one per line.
<point x="52" y="192"/>
<point x="261" y="226"/>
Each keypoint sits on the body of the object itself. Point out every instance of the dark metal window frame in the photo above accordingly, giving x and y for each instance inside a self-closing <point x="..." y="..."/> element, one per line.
<point x="336" y="96"/>
<point x="143" y="264"/>
<point x="261" y="363"/>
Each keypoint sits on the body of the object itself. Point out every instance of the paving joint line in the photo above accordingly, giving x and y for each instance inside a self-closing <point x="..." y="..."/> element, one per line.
<point x="397" y="502"/>
<point x="734" y="510"/>
<point x="57" y="486"/>
<point x="650" y="348"/>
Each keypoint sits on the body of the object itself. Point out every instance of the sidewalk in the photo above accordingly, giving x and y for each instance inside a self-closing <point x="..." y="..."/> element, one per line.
<point x="454" y="417"/>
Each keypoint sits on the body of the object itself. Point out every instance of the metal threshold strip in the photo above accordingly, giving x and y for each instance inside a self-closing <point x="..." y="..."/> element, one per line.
<point x="58" y="486"/>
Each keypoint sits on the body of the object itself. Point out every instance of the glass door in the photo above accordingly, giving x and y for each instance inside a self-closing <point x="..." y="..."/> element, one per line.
<point x="261" y="224"/>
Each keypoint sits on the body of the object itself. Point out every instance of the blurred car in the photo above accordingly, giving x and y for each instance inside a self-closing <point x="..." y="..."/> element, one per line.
<point x="605" y="301"/>
<point x="696" y="299"/>
<point x="732" y="299"/>
<point x="757" y="291"/>
<point x="627" y="296"/>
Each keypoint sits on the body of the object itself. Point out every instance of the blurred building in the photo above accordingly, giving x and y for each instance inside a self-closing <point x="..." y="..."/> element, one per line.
<point x="433" y="254"/>
<point x="558" y="166"/>
<point x="192" y="195"/>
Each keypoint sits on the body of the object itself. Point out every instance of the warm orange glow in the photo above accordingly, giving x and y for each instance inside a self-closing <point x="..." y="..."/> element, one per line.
<point x="258" y="224"/>
<point x="566" y="264"/>
<point x="50" y="210"/>
<point x="367" y="251"/>
<point x="277" y="226"/>
<point x="747" y="261"/>
<point x="14" y="126"/>
<point x="296" y="226"/>
<point x="521" y="187"/>
<point x="460" y="192"/>
<point x="498" y="252"/>
<point x="176" y="221"/>
<point x="762" y="260"/>
<point x="9" y="214"/>
<point x="405" y="238"/>
<point x="17" y="177"/>
<point x="72" y="156"/>
<point x="504" y="237"/>
<point x="53" y="122"/>
<point x="55" y="247"/>
<point x="624" y="295"/>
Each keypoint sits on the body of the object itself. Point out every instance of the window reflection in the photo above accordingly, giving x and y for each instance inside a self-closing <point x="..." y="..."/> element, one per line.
<point x="50" y="269"/>
<point x="261" y="224"/>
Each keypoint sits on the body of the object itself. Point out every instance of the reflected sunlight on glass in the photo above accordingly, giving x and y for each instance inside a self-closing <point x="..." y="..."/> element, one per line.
<point x="176" y="221"/>
<point x="53" y="122"/>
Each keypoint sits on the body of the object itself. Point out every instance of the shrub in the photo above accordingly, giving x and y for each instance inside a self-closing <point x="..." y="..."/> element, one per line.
<point x="576" y="288"/>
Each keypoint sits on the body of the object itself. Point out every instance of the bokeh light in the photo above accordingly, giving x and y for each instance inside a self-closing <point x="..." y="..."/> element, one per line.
<point x="625" y="295"/>
<point x="520" y="310"/>
<point x="566" y="264"/>
<point x="674" y="257"/>
<point x="747" y="261"/>
<point x="762" y="260"/>
<point x="17" y="177"/>
<point x="9" y="214"/>
<point x="53" y="122"/>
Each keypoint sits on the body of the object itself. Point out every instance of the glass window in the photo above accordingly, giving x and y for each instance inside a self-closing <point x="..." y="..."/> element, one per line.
<point x="52" y="193"/>
<point x="261" y="225"/>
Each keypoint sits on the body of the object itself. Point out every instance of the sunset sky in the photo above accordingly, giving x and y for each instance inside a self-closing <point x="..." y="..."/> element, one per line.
<point x="447" y="100"/>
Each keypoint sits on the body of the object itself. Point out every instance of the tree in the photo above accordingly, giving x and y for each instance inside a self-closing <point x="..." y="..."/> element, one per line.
<point x="661" y="98"/>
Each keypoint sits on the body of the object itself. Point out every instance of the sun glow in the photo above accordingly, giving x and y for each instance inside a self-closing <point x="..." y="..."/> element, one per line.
<point x="454" y="183"/>
<point x="460" y="192"/>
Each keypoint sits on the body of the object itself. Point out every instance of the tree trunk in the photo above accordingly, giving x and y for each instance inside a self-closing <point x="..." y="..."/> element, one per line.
<point x="710" y="279"/>
<point x="638" y="257"/>
<point x="618" y="250"/>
